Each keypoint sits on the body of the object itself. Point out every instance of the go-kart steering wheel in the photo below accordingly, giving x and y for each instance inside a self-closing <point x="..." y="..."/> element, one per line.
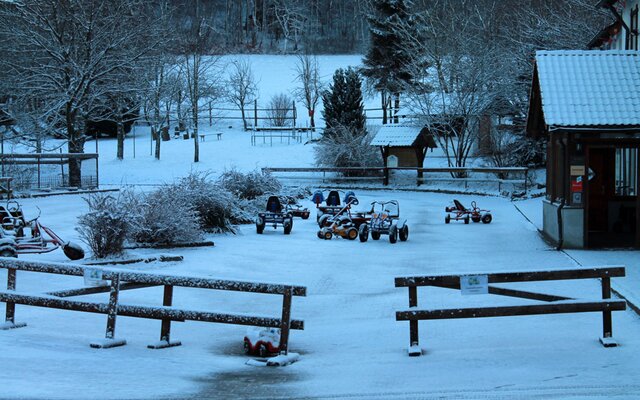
<point x="13" y="206"/>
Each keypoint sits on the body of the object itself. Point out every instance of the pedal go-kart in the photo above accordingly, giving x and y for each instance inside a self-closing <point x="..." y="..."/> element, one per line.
<point x="326" y="212"/>
<point x="21" y="236"/>
<point x="262" y="342"/>
<point x="385" y="220"/>
<point x="458" y="212"/>
<point x="274" y="216"/>
<point x="340" y="224"/>
<point x="298" y="210"/>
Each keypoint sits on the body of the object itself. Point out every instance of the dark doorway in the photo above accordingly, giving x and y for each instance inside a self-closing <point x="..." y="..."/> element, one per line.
<point x="612" y="198"/>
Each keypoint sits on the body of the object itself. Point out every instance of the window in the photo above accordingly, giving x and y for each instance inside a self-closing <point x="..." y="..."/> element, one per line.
<point x="626" y="172"/>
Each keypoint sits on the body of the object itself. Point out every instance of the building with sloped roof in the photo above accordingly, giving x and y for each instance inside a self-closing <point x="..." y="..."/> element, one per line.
<point x="587" y="105"/>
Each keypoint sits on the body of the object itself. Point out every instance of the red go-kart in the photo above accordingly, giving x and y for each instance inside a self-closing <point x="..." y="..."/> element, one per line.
<point x="458" y="212"/>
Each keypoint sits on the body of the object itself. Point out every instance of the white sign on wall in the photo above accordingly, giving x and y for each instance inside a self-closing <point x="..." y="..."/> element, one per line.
<point x="93" y="277"/>
<point x="392" y="161"/>
<point x="474" y="284"/>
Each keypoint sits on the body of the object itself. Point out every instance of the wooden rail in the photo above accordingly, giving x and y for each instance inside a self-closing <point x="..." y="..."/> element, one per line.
<point x="556" y="304"/>
<point x="384" y="173"/>
<point x="129" y="280"/>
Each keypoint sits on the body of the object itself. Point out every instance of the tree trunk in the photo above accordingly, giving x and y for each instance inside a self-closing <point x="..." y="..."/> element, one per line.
<point x="120" y="125"/>
<point x="383" y="96"/>
<point x="76" y="145"/>
<point x="244" y="118"/>
<point x="158" y="137"/>
<point x="397" y="107"/>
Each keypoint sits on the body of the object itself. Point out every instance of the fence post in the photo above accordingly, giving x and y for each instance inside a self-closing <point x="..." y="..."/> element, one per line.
<point x="10" y="322"/>
<point x="414" y="347"/>
<point x="255" y="113"/>
<point x="210" y="114"/>
<point x="165" y="327"/>
<point x="526" y="179"/>
<point x="112" y="313"/>
<point x="286" y="321"/>
<point x="607" y="334"/>
<point x="386" y="176"/>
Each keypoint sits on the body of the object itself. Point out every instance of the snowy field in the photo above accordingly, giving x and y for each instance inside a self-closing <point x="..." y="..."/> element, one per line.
<point x="352" y="347"/>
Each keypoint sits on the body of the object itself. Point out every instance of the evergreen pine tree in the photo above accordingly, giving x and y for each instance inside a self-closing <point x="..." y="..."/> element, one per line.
<point x="343" y="105"/>
<point x="386" y="63"/>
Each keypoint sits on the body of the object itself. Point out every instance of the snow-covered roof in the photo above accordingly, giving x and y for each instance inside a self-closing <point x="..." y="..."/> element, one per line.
<point x="589" y="87"/>
<point x="396" y="135"/>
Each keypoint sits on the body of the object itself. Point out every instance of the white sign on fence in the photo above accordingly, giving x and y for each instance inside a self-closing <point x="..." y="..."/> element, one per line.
<point x="474" y="284"/>
<point x="93" y="277"/>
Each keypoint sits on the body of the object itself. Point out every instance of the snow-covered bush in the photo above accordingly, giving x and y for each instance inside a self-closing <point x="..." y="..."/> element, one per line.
<point x="250" y="185"/>
<point x="105" y="227"/>
<point x="346" y="149"/>
<point x="165" y="216"/>
<point x="217" y="208"/>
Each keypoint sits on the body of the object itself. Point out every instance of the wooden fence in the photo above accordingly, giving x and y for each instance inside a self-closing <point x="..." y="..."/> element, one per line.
<point x="127" y="280"/>
<point x="382" y="174"/>
<point x="556" y="304"/>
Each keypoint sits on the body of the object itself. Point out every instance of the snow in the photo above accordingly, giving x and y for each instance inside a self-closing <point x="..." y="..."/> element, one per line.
<point x="352" y="346"/>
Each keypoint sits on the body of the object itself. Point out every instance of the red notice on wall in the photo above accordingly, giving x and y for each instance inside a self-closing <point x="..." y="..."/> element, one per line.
<point x="576" y="184"/>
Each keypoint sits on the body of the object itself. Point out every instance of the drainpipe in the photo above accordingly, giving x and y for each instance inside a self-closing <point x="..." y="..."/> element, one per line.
<point x="564" y="195"/>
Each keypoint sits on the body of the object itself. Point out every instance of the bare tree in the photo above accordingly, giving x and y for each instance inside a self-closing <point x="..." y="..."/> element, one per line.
<point x="310" y="91"/>
<point x="198" y="68"/>
<point x="291" y="16"/>
<point x="241" y="86"/>
<point x="63" y="54"/>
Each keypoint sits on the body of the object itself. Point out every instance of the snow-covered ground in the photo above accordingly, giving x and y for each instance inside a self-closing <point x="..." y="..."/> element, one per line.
<point x="351" y="347"/>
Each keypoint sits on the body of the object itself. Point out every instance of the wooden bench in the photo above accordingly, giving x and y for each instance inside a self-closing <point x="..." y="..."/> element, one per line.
<point x="556" y="304"/>
<point x="218" y="136"/>
<point x="128" y="280"/>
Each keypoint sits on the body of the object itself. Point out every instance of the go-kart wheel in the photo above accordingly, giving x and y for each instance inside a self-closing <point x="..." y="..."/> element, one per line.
<point x="305" y="215"/>
<point x="262" y="351"/>
<point x="320" y="234"/>
<point x="73" y="251"/>
<point x="466" y="219"/>
<point x="404" y="233"/>
<point x="288" y="225"/>
<point x="475" y="218"/>
<point x="247" y="346"/>
<point x="8" y="251"/>
<point x="327" y="235"/>
<point x="393" y="234"/>
<point x="375" y="235"/>
<point x="363" y="233"/>
<point x="447" y="219"/>
<point x="323" y="220"/>
<point x="487" y="218"/>
<point x="352" y="233"/>
<point x="260" y="224"/>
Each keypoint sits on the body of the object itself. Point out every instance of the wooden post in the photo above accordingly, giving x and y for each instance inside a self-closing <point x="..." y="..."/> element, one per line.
<point x="165" y="327"/>
<point x="110" y="340"/>
<point x="414" y="349"/>
<point x="210" y="115"/>
<point x="10" y="322"/>
<point x="255" y="114"/>
<point x="606" y="315"/>
<point x="286" y="321"/>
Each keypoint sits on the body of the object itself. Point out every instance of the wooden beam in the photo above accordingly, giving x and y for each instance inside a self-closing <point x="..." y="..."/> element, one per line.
<point x="153" y="279"/>
<point x="145" y="311"/>
<point x="505" y="277"/>
<point x="507" y="311"/>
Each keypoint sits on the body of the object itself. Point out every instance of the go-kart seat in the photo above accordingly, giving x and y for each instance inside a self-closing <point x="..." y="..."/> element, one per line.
<point x="274" y="205"/>
<point x="459" y="205"/>
<point x="333" y="199"/>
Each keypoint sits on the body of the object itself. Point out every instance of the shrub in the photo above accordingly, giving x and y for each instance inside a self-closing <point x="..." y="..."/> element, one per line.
<point x="104" y="228"/>
<point x="250" y="185"/>
<point x="165" y="216"/>
<point x="346" y="149"/>
<point x="280" y="110"/>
